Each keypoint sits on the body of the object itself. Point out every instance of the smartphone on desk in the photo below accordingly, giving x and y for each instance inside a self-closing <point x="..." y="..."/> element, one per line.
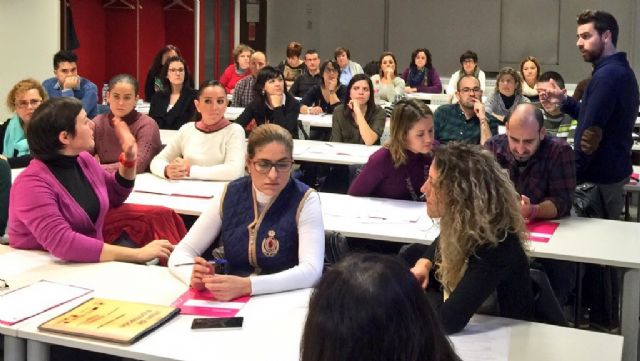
<point x="217" y="323"/>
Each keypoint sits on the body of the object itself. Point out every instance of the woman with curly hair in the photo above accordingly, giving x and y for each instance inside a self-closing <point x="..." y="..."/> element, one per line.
<point x="482" y="245"/>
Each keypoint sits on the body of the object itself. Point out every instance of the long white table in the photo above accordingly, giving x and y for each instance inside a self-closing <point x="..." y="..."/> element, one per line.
<point x="281" y="314"/>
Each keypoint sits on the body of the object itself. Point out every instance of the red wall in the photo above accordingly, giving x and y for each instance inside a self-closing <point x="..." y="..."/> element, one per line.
<point x="89" y="21"/>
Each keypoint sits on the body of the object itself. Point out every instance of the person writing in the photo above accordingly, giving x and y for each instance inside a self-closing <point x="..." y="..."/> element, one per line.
<point x="269" y="224"/>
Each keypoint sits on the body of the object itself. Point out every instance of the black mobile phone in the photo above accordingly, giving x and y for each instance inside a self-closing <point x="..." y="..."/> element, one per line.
<point x="225" y="322"/>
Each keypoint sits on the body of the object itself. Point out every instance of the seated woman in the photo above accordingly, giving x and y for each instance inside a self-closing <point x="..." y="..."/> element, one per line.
<point x="59" y="202"/>
<point x="482" y="242"/>
<point x="272" y="103"/>
<point x="375" y="293"/>
<point x="239" y="69"/>
<point x="173" y="106"/>
<point x="508" y="94"/>
<point x="292" y="67"/>
<point x="325" y="97"/>
<point x="359" y="120"/>
<point x="530" y="72"/>
<point x="153" y="82"/>
<point x="212" y="148"/>
<point x="468" y="66"/>
<point x="5" y="189"/>
<point x="387" y="85"/>
<point x="399" y="169"/>
<point x="421" y="76"/>
<point x="123" y="95"/>
<point x="23" y="99"/>
<point x="271" y="227"/>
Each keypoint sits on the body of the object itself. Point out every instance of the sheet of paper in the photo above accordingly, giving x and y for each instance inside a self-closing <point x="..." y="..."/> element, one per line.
<point x="17" y="262"/>
<point x="187" y="188"/>
<point x="482" y="342"/>
<point x="541" y="231"/>
<point x="36" y="298"/>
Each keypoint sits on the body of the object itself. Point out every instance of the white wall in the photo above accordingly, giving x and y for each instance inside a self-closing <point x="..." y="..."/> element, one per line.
<point x="30" y="35"/>
<point x="446" y="28"/>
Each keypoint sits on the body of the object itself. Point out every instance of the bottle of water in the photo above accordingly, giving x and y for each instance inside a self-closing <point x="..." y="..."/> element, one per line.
<point x="105" y="89"/>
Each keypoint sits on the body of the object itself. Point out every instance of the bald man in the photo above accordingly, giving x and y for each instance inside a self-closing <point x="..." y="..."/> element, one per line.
<point x="542" y="168"/>
<point x="243" y="93"/>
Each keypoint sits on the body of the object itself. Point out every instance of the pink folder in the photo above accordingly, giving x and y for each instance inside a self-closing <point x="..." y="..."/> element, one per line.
<point x="541" y="231"/>
<point x="202" y="303"/>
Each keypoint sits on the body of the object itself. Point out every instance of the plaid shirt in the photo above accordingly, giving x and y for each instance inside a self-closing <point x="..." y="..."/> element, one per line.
<point x="550" y="173"/>
<point x="451" y="124"/>
<point x="243" y="92"/>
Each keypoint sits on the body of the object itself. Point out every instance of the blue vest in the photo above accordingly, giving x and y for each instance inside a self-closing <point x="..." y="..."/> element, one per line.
<point x="261" y="244"/>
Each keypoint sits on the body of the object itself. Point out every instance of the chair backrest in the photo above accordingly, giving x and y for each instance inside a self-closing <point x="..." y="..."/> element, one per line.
<point x="336" y="248"/>
<point x="547" y="307"/>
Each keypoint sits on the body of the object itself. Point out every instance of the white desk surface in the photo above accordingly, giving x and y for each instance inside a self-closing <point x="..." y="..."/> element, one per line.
<point x="278" y="314"/>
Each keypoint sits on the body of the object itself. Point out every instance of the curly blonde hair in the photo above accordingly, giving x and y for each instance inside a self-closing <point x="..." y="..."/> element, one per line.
<point x="22" y="87"/>
<point x="479" y="207"/>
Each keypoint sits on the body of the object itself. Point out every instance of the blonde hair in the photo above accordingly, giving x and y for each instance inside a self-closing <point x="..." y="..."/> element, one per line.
<point x="406" y="113"/>
<point x="267" y="133"/>
<point x="20" y="88"/>
<point x="480" y="206"/>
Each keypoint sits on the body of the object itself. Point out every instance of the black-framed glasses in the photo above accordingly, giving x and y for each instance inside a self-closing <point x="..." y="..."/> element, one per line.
<point x="469" y="90"/>
<point x="264" y="166"/>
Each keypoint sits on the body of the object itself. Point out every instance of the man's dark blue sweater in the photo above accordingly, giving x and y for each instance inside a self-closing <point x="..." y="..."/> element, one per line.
<point x="610" y="102"/>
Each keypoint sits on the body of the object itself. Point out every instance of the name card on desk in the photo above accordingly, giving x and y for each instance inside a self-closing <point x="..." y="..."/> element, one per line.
<point x="28" y="301"/>
<point x="541" y="231"/>
<point x="202" y="303"/>
<point x="149" y="183"/>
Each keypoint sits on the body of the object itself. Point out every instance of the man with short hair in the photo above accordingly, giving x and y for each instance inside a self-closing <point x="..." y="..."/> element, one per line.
<point x="243" y="93"/>
<point x="348" y="67"/>
<point x="557" y="123"/>
<point x="542" y="168"/>
<point x="607" y="113"/>
<point x="311" y="76"/>
<point x="465" y="121"/>
<point x="67" y="82"/>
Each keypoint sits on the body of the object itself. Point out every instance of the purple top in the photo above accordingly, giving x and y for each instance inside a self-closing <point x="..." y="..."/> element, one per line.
<point x="380" y="178"/>
<point x="43" y="215"/>
<point x="434" y="85"/>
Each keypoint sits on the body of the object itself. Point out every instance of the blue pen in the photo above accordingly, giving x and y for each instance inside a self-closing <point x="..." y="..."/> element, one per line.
<point x="212" y="262"/>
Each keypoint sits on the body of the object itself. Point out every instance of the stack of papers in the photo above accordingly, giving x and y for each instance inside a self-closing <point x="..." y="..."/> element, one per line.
<point x="187" y="188"/>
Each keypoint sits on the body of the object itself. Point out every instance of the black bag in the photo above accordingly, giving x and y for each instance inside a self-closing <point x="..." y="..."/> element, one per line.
<point x="588" y="201"/>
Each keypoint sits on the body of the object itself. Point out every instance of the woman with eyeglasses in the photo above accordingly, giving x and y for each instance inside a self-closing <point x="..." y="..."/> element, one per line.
<point x="23" y="99"/>
<point x="123" y="95"/>
<point x="325" y="97"/>
<point x="468" y="66"/>
<point x="212" y="148"/>
<point x="399" y="169"/>
<point x="153" y="82"/>
<point x="269" y="224"/>
<point x="173" y="106"/>
<point x="272" y="103"/>
<point x="507" y="96"/>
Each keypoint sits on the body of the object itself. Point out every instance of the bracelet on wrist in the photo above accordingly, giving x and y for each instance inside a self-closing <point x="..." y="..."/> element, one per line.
<point x="127" y="163"/>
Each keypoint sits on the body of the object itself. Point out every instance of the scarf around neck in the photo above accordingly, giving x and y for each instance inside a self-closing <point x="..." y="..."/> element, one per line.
<point x="15" y="139"/>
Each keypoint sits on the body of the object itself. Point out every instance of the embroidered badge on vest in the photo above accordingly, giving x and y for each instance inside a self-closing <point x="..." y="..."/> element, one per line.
<point x="270" y="245"/>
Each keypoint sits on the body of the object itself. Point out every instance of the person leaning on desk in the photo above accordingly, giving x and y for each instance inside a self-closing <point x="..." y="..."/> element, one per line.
<point x="482" y="242"/>
<point x="269" y="223"/>
<point x="59" y="202"/>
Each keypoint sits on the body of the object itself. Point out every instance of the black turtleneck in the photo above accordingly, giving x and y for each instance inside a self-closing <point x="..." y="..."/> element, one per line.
<point x="69" y="173"/>
<point x="508" y="101"/>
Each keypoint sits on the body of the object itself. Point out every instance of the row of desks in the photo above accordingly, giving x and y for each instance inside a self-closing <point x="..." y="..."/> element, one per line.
<point x="272" y="327"/>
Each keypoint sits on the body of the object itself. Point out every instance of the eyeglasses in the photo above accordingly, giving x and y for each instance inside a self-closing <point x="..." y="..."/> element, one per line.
<point x="331" y="70"/>
<point x="25" y="103"/>
<point x="264" y="166"/>
<point x="468" y="61"/>
<point x="469" y="90"/>
<point x="176" y="70"/>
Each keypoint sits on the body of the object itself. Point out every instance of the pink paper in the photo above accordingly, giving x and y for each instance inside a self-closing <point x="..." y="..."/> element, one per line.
<point x="634" y="178"/>
<point x="221" y="311"/>
<point x="541" y="231"/>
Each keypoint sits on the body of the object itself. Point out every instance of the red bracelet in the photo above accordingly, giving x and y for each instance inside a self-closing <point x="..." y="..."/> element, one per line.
<point x="127" y="163"/>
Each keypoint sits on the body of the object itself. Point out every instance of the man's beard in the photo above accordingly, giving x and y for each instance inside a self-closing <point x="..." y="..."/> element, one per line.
<point x="592" y="56"/>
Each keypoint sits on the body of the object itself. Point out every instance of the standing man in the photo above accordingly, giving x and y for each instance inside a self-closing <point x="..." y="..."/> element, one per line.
<point x="542" y="170"/>
<point x="243" y="93"/>
<point x="67" y="82"/>
<point x="311" y="76"/>
<point x="465" y="121"/>
<point x="607" y="113"/>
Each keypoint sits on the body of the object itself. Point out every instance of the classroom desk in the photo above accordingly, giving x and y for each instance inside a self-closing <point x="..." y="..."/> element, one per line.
<point x="285" y="318"/>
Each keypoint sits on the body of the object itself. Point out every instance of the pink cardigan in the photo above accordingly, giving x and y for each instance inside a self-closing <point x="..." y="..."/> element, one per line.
<point x="43" y="215"/>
